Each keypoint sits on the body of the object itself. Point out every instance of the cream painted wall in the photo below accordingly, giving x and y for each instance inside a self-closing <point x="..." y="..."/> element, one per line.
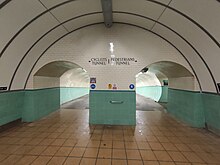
<point x="147" y="79"/>
<point x="93" y="42"/>
<point x="185" y="83"/>
<point x="45" y="82"/>
<point x="75" y="78"/>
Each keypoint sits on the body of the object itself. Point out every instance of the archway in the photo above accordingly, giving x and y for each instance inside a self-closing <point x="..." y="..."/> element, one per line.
<point x="70" y="78"/>
<point x="154" y="80"/>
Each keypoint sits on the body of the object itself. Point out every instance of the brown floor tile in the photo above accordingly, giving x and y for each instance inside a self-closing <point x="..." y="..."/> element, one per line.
<point x="106" y="144"/>
<point x="151" y="163"/>
<point x="119" y="144"/>
<point x="46" y="142"/>
<point x="88" y="161"/>
<point x="182" y="147"/>
<point x="58" y="142"/>
<point x="147" y="155"/>
<point x="119" y="162"/>
<point x="72" y="161"/>
<point x="24" y="150"/>
<point x="131" y="145"/>
<point x="91" y="153"/>
<point x="208" y="158"/>
<point x="133" y="154"/>
<point x="82" y="143"/>
<point x="105" y="153"/>
<point x="78" y="152"/>
<point x="135" y="162"/>
<point x="192" y="157"/>
<point x="151" y="139"/>
<point x="103" y="162"/>
<point x="156" y="146"/>
<point x="35" y="141"/>
<point x="94" y="143"/>
<point x="12" y="159"/>
<point x="26" y="160"/>
<point x="163" y="139"/>
<point x="50" y="151"/>
<point x="41" y="160"/>
<point x="118" y="154"/>
<point x="57" y="161"/>
<point x="169" y="147"/>
<point x="167" y="163"/>
<point x="162" y="156"/>
<point x="64" y="151"/>
<point x="177" y="156"/>
<point x="143" y="145"/>
<point x="10" y="149"/>
<point x="2" y="157"/>
<point x="37" y="150"/>
<point x="70" y="143"/>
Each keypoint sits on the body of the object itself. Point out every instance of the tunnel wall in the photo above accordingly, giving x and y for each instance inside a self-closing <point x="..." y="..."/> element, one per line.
<point x="196" y="109"/>
<point x="71" y="93"/>
<point x="157" y="93"/>
<point x="11" y="106"/>
<point x="39" y="103"/>
<point x="28" y="105"/>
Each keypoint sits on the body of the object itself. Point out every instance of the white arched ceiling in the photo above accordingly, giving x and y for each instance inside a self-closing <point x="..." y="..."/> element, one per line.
<point x="76" y="77"/>
<point x="61" y="74"/>
<point x="28" y="27"/>
<point x="147" y="79"/>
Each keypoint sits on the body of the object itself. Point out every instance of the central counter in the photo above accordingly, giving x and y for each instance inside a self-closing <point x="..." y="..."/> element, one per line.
<point x="112" y="107"/>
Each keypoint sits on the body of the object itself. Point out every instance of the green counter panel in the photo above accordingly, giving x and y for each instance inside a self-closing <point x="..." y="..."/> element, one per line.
<point x="122" y="111"/>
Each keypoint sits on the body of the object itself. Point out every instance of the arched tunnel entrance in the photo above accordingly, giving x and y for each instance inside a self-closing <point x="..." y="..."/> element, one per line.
<point x="154" y="81"/>
<point x="72" y="80"/>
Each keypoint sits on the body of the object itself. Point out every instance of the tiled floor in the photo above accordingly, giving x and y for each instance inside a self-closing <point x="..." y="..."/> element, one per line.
<point x="65" y="137"/>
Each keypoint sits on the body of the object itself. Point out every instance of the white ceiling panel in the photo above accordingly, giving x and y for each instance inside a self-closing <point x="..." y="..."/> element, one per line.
<point x="200" y="40"/>
<point x="196" y="62"/>
<point x="205" y="12"/>
<point x="76" y="8"/>
<point x="23" y="42"/>
<point x="119" y="17"/>
<point x="15" y="15"/>
<point x="33" y="55"/>
<point x="84" y="21"/>
<point x="51" y="3"/>
<point x="141" y="7"/>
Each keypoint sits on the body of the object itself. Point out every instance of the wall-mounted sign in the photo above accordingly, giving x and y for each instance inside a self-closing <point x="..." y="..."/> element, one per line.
<point x="114" y="86"/>
<point x="92" y="86"/>
<point x="109" y="86"/>
<point x="3" y="88"/>
<point x="131" y="86"/>
<point x="93" y="80"/>
<point x="112" y="61"/>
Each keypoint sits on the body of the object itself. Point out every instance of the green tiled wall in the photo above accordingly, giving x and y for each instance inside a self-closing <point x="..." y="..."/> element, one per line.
<point x="103" y="112"/>
<point x="186" y="106"/>
<point x="157" y="93"/>
<point x="212" y="111"/>
<point x="11" y="106"/>
<point x="71" y="93"/>
<point x="40" y="103"/>
<point x="164" y="95"/>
